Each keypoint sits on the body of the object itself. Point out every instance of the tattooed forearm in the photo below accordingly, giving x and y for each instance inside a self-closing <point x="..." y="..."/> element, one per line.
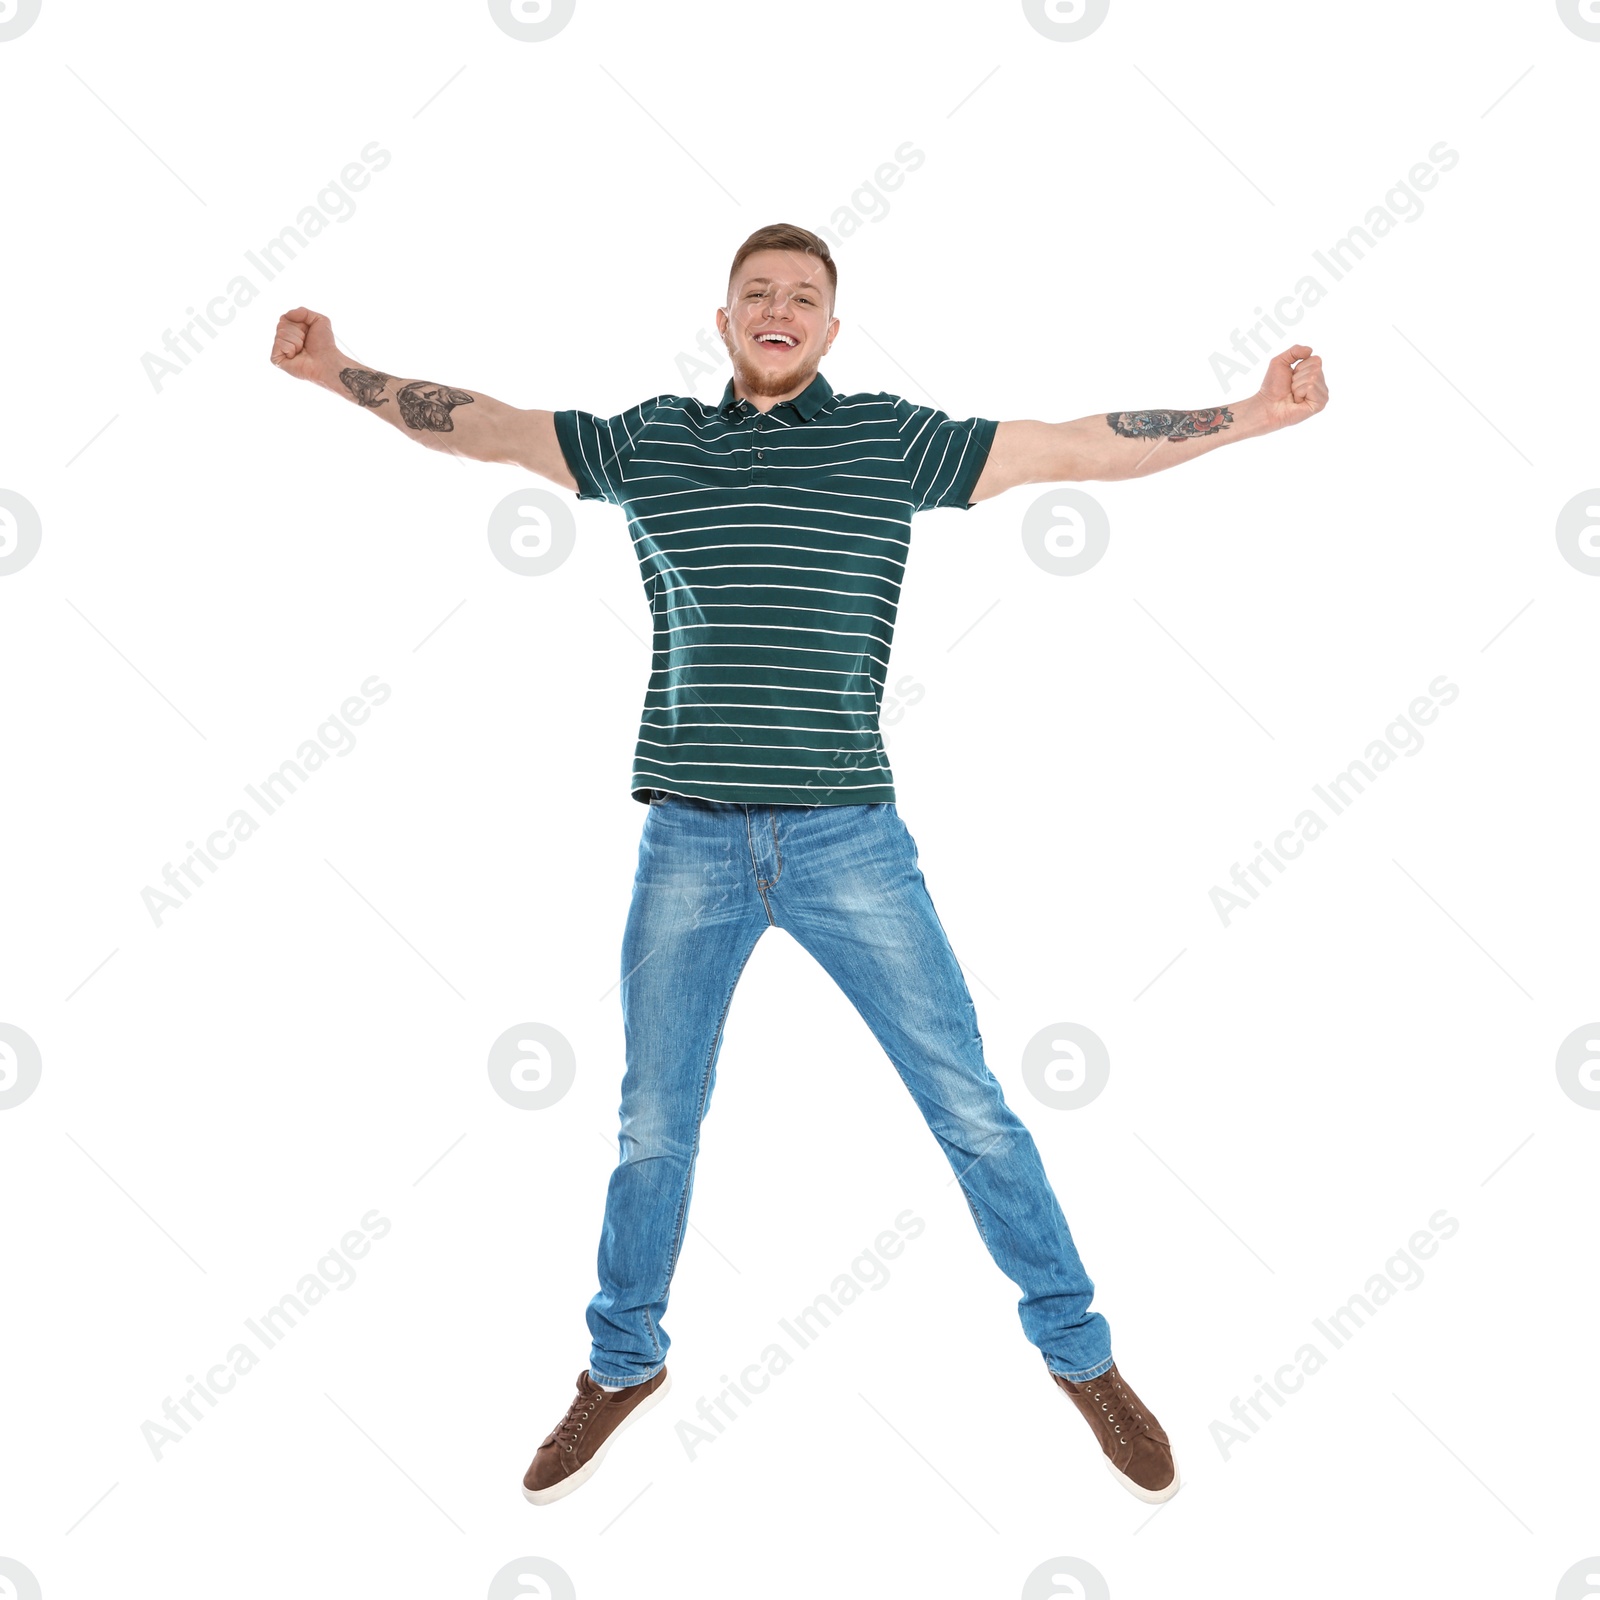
<point x="1169" y="424"/>
<point x="364" y="386"/>
<point x="428" y="405"/>
<point x="423" y="406"/>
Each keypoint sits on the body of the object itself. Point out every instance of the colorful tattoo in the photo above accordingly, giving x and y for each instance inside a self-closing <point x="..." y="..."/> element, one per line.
<point x="1169" y="424"/>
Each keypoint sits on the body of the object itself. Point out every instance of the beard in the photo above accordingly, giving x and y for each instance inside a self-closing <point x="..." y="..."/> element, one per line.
<point x="765" y="379"/>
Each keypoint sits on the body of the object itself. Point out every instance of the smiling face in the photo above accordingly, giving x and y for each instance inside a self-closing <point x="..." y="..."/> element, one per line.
<point x="778" y="323"/>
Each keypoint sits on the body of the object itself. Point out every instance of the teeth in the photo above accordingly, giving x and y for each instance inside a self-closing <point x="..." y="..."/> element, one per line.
<point x="775" y="338"/>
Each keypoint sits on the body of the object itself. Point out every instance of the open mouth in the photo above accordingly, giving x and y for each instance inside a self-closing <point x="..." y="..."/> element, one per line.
<point x="776" y="341"/>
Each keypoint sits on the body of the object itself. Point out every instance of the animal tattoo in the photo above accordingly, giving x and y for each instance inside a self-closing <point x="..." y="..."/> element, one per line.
<point x="365" y="387"/>
<point x="1169" y="424"/>
<point x="424" y="406"/>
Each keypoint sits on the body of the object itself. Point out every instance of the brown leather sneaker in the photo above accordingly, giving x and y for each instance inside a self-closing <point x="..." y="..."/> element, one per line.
<point x="572" y="1450"/>
<point x="1136" y="1446"/>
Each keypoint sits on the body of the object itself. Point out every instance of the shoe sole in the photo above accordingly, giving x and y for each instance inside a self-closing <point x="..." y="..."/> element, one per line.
<point x="1153" y="1497"/>
<point x="576" y="1480"/>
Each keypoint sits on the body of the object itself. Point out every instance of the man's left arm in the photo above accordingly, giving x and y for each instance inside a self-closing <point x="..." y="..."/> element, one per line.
<point x="1133" y="444"/>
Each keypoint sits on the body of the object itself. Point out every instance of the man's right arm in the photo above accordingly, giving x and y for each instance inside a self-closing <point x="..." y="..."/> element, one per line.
<point x="443" y="417"/>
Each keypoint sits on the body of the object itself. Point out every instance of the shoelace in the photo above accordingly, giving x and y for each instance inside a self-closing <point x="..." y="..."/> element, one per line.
<point x="578" y="1413"/>
<point x="1119" y="1408"/>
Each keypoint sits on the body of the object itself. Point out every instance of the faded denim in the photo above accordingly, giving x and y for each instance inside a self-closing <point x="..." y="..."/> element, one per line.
<point x="843" y="880"/>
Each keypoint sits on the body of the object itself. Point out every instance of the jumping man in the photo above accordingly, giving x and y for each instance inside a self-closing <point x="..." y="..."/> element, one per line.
<point x="772" y="530"/>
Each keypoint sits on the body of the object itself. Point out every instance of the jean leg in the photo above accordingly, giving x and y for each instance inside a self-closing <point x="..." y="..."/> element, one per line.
<point x="853" y="895"/>
<point x="693" y="922"/>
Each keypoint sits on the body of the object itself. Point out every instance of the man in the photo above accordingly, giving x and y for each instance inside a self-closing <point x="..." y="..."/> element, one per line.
<point x="772" y="531"/>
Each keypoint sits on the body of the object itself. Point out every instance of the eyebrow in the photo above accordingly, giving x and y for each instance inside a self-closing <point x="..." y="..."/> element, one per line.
<point x="749" y="282"/>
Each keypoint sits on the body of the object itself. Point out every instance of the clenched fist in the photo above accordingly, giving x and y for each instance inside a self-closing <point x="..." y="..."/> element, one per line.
<point x="303" y="345"/>
<point x="1294" y="387"/>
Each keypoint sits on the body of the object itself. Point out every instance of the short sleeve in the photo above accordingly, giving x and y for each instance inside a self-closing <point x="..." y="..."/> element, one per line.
<point x="943" y="458"/>
<point x="598" y="449"/>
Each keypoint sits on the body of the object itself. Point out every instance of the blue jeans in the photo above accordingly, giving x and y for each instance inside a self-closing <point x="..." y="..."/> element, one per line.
<point x="843" y="880"/>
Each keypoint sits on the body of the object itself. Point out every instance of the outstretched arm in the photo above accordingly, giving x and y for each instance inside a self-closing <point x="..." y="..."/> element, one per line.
<point x="460" y="421"/>
<point x="1133" y="444"/>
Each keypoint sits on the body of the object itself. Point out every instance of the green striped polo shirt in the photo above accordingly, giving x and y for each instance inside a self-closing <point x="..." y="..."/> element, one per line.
<point x="772" y="545"/>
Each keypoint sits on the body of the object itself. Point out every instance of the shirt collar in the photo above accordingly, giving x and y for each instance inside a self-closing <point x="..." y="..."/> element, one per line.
<point x="808" y="402"/>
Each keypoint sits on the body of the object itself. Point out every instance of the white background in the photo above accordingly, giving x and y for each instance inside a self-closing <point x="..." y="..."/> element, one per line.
<point x="224" y="1096"/>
